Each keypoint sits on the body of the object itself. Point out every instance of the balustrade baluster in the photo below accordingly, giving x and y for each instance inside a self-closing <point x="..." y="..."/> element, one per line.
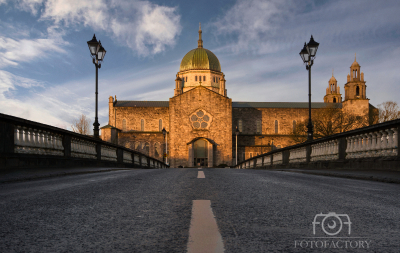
<point x="395" y="141"/>
<point x="384" y="143"/>
<point x="389" y="150"/>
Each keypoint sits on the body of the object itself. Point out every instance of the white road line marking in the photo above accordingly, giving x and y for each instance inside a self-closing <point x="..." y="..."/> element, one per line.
<point x="204" y="236"/>
<point x="200" y="174"/>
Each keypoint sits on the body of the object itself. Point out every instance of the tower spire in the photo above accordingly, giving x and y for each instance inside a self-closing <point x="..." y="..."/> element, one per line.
<point x="200" y="41"/>
<point x="355" y="56"/>
<point x="332" y="72"/>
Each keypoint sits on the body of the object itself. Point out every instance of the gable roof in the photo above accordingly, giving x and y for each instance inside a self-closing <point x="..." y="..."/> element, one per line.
<point x="141" y="103"/>
<point x="300" y="105"/>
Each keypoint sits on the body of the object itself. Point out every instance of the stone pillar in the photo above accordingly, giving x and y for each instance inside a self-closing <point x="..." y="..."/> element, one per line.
<point x="210" y="155"/>
<point x="191" y="157"/>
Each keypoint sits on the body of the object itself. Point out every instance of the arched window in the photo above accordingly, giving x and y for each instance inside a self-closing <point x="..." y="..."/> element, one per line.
<point x="160" y="125"/>
<point x="276" y="127"/>
<point x="258" y="126"/>
<point x="146" y="148"/>
<point x="186" y="79"/>
<point x="124" y="125"/>
<point x="334" y="100"/>
<point x="240" y="125"/>
<point x="204" y="78"/>
<point x="199" y="78"/>
<point x="157" y="150"/>
<point x="137" y="146"/>
<point x="195" y="78"/>
<point x="294" y="126"/>
<point x="214" y="79"/>
<point x="358" y="91"/>
<point x="142" y="125"/>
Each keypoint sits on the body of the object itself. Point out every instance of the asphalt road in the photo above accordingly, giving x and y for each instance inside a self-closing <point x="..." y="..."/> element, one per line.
<point x="150" y="211"/>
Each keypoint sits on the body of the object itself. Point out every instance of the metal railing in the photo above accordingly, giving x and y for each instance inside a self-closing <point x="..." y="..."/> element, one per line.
<point x="376" y="141"/>
<point x="27" y="143"/>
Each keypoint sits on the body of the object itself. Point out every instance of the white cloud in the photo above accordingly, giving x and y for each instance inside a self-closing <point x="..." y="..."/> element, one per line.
<point x="144" y="27"/>
<point x="13" y="51"/>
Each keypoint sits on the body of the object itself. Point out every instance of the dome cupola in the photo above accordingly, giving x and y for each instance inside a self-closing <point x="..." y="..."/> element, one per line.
<point x="200" y="58"/>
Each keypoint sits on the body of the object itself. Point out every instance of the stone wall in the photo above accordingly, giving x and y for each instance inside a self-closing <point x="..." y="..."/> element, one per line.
<point x="181" y="107"/>
<point x="134" y="115"/>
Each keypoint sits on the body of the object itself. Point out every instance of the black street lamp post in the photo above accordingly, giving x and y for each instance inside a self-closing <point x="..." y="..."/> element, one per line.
<point x="164" y="132"/>
<point x="308" y="55"/>
<point x="237" y="133"/>
<point x="97" y="52"/>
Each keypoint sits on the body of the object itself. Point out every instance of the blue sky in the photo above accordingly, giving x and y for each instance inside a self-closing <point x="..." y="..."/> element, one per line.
<point x="46" y="73"/>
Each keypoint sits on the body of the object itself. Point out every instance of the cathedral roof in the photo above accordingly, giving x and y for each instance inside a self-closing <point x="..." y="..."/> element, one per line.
<point x="141" y="104"/>
<point x="200" y="58"/>
<point x="300" y="105"/>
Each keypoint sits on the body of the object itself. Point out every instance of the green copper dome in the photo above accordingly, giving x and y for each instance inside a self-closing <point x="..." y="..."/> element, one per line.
<point x="200" y="58"/>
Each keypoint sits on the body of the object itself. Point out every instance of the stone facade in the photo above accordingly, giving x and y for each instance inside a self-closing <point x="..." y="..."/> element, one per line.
<point x="200" y="119"/>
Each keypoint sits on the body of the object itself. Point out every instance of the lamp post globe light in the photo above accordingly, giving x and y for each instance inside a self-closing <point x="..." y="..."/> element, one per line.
<point x="307" y="54"/>
<point x="237" y="133"/>
<point x="97" y="52"/>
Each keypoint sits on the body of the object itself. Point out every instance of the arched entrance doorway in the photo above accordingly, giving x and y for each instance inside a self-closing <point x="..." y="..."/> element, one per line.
<point x="200" y="153"/>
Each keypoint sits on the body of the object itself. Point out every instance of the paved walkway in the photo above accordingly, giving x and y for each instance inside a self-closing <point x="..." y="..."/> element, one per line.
<point x="33" y="174"/>
<point x="374" y="175"/>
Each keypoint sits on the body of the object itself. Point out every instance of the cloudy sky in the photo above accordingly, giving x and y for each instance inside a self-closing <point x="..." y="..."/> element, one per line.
<point x="46" y="73"/>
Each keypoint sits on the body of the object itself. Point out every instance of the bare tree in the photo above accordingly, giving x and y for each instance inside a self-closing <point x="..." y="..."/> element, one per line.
<point x="328" y="121"/>
<point x="388" y="110"/>
<point x="81" y="125"/>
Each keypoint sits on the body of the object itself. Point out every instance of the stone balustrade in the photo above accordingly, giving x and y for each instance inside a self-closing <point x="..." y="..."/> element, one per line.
<point x="127" y="157"/>
<point x="34" y="141"/>
<point x="377" y="142"/>
<point x="298" y="155"/>
<point x="259" y="162"/>
<point x="267" y="160"/>
<point x="374" y="144"/>
<point x="136" y="159"/>
<point x="144" y="161"/>
<point x="83" y="149"/>
<point x="28" y="144"/>
<point x="277" y="158"/>
<point x="325" y="151"/>
<point x="108" y="153"/>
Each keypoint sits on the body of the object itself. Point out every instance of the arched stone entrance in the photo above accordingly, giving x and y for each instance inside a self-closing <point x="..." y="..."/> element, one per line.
<point x="201" y="153"/>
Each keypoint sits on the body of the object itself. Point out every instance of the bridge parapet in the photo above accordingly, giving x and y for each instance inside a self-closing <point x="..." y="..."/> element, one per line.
<point x="29" y="144"/>
<point x="374" y="147"/>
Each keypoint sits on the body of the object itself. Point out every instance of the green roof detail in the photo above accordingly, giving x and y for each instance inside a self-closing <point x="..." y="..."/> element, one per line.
<point x="200" y="58"/>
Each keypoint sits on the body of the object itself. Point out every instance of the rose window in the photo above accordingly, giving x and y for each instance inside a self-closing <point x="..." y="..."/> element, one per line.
<point x="200" y="120"/>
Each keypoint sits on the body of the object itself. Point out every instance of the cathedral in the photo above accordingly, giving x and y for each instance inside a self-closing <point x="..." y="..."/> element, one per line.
<point x="201" y="120"/>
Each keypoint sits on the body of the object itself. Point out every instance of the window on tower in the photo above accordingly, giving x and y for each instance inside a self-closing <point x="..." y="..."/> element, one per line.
<point x="294" y="126"/>
<point x="195" y="78"/>
<point x="200" y="78"/>
<point x="276" y="127"/>
<point x="358" y="91"/>
<point x="186" y="79"/>
<point x="204" y="78"/>
<point x="124" y="125"/>
<point x="258" y="126"/>
<point x="334" y="100"/>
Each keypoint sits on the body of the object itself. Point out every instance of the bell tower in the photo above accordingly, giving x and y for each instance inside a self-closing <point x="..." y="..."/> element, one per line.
<point x="355" y="87"/>
<point x="356" y="101"/>
<point x="333" y="92"/>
